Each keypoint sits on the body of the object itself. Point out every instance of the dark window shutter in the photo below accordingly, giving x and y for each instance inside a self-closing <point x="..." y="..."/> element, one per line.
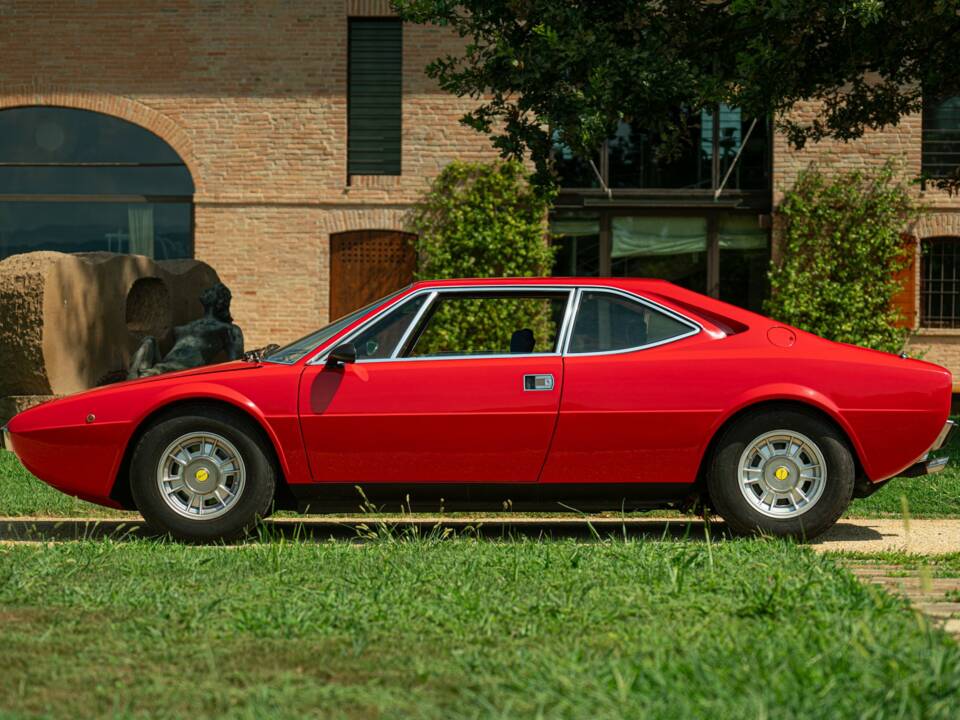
<point x="375" y="96"/>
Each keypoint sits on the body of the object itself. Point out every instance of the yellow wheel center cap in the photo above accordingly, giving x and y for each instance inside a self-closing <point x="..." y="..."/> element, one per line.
<point x="203" y="474"/>
<point x="781" y="473"/>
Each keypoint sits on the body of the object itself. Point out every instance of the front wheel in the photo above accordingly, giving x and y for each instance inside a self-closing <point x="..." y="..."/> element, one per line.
<point x="783" y="472"/>
<point x="202" y="476"/>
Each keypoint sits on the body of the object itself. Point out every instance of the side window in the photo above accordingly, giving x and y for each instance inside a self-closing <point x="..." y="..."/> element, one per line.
<point x="490" y="324"/>
<point x="607" y="322"/>
<point x="379" y="340"/>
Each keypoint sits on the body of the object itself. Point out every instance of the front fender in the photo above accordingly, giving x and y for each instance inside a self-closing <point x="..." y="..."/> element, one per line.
<point x="78" y="443"/>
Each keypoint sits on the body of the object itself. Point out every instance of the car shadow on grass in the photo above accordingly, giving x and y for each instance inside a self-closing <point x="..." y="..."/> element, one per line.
<point x="369" y="529"/>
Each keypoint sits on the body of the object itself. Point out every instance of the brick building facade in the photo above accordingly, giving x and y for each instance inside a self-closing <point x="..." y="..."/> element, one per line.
<point x="253" y="97"/>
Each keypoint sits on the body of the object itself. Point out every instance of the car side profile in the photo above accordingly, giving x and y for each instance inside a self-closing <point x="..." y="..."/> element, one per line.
<point x="532" y="393"/>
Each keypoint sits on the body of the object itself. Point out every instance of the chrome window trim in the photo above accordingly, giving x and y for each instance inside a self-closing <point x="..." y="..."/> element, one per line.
<point x="571" y="290"/>
<point x="402" y="343"/>
<point x="695" y="327"/>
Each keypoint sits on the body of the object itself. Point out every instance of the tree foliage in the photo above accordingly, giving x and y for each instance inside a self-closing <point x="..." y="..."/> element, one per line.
<point x="843" y="248"/>
<point x="577" y="68"/>
<point x="483" y="220"/>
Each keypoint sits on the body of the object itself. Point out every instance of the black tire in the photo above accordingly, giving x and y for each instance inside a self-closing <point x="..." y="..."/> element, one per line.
<point x="741" y="516"/>
<point x="255" y="497"/>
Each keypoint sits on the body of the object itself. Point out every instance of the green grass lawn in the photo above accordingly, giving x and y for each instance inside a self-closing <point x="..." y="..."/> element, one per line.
<point x="23" y="494"/>
<point x="932" y="496"/>
<point x="459" y="628"/>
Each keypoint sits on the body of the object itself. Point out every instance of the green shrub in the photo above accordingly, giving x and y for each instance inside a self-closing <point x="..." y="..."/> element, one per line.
<point x="842" y="250"/>
<point x="483" y="220"/>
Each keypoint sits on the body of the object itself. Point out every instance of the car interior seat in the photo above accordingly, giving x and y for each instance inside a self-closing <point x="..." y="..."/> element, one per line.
<point x="522" y="341"/>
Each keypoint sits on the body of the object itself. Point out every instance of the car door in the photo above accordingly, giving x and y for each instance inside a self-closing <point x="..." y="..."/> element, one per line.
<point x="459" y="385"/>
<point x="634" y="409"/>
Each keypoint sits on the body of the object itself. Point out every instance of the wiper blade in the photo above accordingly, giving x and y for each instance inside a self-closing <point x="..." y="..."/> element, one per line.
<point x="260" y="354"/>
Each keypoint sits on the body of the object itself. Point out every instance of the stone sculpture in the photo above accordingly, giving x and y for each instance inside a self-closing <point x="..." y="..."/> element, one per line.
<point x="197" y="343"/>
<point x="70" y="322"/>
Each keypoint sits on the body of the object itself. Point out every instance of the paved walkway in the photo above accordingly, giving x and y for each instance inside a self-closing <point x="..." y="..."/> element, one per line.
<point x="938" y="598"/>
<point x="927" y="537"/>
<point x="923" y="537"/>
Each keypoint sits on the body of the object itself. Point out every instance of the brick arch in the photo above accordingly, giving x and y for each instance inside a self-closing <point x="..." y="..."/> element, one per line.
<point x="116" y="106"/>
<point x="934" y="224"/>
<point x="347" y="220"/>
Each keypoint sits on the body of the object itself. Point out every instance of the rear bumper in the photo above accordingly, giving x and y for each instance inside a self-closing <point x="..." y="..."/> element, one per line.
<point x="928" y="465"/>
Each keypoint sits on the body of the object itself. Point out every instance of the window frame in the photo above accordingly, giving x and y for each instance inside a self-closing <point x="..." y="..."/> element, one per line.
<point x="716" y="172"/>
<point x="695" y="327"/>
<point x="575" y="292"/>
<point x="107" y="198"/>
<point x="421" y="322"/>
<point x="928" y="169"/>
<point x="923" y="320"/>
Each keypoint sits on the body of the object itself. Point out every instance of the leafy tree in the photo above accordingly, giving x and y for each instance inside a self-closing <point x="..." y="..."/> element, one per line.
<point x="842" y="250"/>
<point x="483" y="220"/>
<point x="576" y="68"/>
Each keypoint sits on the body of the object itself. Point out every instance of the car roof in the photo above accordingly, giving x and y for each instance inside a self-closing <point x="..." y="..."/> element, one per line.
<point x="728" y="317"/>
<point x="624" y="283"/>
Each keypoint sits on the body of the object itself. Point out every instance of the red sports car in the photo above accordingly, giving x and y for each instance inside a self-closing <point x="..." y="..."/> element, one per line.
<point x="598" y="394"/>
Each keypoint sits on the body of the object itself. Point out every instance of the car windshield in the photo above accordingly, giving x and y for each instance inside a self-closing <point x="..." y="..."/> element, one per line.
<point x="296" y="350"/>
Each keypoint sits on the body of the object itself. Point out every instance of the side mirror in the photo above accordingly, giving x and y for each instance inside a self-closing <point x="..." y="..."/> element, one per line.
<point x="341" y="354"/>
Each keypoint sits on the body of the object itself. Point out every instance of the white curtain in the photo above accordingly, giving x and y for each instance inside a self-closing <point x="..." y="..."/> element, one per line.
<point x="741" y="232"/>
<point x="658" y="235"/>
<point x="574" y="226"/>
<point x="651" y="236"/>
<point x="140" y="218"/>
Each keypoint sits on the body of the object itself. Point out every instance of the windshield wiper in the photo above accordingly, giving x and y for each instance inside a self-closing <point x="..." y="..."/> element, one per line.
<point x="260" y="354"/>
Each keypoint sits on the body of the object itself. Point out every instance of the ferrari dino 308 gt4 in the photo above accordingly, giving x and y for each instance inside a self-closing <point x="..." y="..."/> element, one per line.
<point x="598" y="394"/>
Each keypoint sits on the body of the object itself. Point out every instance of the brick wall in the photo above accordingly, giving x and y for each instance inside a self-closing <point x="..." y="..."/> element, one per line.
<point x="252" y="96"/>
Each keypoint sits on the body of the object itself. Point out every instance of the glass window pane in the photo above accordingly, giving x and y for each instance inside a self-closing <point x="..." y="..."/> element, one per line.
<point x="577" y="239"/>
<point x="634" y="159"/>
<point x="299" y="348"/>
<point x="940" y="283"/>
<point x="941" y="137"/>
<point x="573" y="170"/>
<point x="92" y="180"/>
<point x="752" y="169"/>
<point x="670" y="248"/>
<point x="514" y="323"/>
<point x="62" y="135"/>
<point x="744" y="261"/>
<point x="380" y="339"/>
<point x="607" y="322"/>
<point x="159" y="230"/>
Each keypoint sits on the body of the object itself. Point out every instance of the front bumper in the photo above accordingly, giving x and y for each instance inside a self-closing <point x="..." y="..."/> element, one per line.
<point x="928" y="465"/>
<point x="6" y="441"/>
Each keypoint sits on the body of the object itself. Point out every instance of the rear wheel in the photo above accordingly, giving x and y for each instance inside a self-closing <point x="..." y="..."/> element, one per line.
<point x="202" y="476"/>
<point x="783" y="472"/>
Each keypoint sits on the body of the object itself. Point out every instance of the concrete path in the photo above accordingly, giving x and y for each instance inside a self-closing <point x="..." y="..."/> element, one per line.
<point x="916" y="536"/>
<point x="923" y="537"/>
<point x="938" y="598"/>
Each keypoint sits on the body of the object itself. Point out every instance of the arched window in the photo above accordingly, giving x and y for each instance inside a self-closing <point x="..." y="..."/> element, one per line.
<point x="940" y="283"/>
<point x="80" y="181"/>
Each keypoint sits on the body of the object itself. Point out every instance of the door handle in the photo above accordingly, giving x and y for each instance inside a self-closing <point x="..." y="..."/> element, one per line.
<point x="538" y="382"/>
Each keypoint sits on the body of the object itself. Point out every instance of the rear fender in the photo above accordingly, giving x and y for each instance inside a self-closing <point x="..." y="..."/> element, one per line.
<point x="792" y="393"/>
